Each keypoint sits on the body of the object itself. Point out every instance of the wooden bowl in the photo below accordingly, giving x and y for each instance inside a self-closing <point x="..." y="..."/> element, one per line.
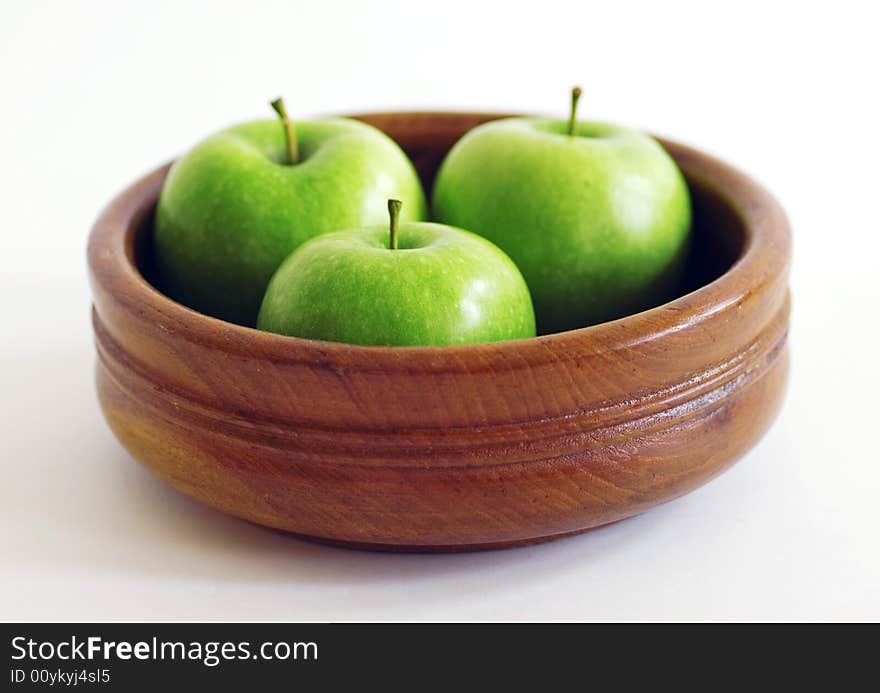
<point x="451" y="448"/>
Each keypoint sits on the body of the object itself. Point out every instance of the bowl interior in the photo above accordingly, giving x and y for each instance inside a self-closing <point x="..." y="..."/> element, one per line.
<point x="718" y="237"/>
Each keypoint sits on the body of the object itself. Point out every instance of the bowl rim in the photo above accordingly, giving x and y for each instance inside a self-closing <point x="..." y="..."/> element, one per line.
<point x="112" y="262"/>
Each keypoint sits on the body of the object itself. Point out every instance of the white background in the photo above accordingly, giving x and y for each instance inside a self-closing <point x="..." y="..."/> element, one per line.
<point x="95" y="94"/>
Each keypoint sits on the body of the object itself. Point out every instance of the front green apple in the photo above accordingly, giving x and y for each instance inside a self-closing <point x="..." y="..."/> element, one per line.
<point x="235" y="206"/>
<point x="598" y="221"/>
<point x="424" y="284"/>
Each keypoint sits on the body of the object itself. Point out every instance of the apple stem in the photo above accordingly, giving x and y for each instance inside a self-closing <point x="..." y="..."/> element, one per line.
<point x="572" y="119"/>
<point x="394" y="214"/>
<point x="289" y="132"/>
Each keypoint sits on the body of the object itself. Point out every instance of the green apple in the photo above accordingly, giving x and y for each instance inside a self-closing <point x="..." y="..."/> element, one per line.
<point x="596" y="216"/>
<point x="415" y="284"/>
<point x="238" y="203"/>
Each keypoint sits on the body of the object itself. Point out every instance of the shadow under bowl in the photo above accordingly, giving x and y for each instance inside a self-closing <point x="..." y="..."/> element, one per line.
<point x="451" y="448"/>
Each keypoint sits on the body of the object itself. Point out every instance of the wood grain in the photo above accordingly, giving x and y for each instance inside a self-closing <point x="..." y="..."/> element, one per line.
<point x="451" y="448"/>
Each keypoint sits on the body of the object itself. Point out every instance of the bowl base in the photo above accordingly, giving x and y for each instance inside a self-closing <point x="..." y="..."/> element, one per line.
<point x="442" y="548"/>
